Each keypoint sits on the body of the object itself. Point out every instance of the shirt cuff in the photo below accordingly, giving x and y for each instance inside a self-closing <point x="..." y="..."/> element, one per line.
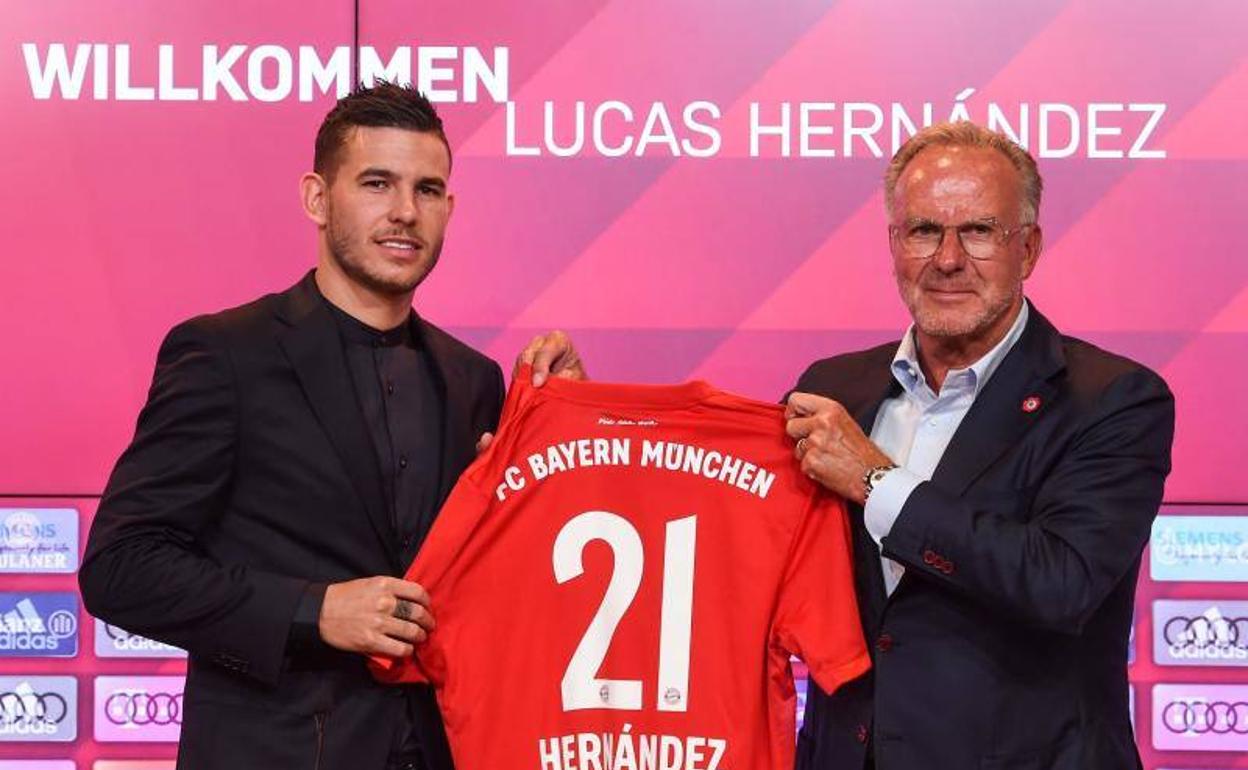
<point x="888" y="496"/>
<point x="305" y="628"/>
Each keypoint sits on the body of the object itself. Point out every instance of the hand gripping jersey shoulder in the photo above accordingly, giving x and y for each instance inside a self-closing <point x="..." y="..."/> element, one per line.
<point x="619" y="582"/>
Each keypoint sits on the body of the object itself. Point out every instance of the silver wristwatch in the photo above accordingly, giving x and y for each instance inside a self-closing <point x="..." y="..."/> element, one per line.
<point x="872" y="477"/>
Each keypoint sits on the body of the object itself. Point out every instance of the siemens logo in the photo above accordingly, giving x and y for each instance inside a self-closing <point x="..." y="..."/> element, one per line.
<point x="38" y="625"/>
<point x="1210" y="548"/>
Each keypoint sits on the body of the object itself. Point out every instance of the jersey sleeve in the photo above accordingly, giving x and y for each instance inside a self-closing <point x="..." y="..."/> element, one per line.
<point x="816" y="615"/>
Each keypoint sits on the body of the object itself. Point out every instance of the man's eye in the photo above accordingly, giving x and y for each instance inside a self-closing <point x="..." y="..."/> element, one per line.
<point x="375" y="184"/>
<point x="923" y="229"/>
<point x="426" y="189"/>
<point x="981" y="229"/>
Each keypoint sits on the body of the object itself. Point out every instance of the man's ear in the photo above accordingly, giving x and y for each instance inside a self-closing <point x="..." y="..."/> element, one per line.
<point x="1033" y="246"/>
<point x="313" y="192"/>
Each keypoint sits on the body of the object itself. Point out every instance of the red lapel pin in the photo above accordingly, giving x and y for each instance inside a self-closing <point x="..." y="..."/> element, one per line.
<point x="1031" y="404"/>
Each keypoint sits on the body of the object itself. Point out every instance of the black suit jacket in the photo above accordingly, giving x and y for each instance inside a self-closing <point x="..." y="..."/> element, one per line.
<point x="1004" y="645"/>
<point x="250" y="476"/>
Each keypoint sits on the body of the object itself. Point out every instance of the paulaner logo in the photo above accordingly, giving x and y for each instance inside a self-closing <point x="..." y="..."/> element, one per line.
<point x="38" y="540"/>
<point x="38" y="708"/>
<point x="39" y="625"/>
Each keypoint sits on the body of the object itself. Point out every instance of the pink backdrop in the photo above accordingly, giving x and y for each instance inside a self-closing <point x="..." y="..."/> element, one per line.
<point x="123" y="217"/>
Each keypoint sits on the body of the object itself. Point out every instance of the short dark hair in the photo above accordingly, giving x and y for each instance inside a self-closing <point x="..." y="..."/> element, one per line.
<point x="381" y="105"/>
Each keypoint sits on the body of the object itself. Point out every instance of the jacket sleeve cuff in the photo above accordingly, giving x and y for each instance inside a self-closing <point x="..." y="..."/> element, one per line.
<point x="305" y="632"/>
<point x="887" y="499"/>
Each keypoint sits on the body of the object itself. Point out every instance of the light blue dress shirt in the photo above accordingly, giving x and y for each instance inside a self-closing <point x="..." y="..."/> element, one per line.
<point x="915" y="427"/>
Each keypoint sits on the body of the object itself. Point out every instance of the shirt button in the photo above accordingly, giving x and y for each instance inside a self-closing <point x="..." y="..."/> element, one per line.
<point x="402" y="461"/>
<point x="390" y="388"/>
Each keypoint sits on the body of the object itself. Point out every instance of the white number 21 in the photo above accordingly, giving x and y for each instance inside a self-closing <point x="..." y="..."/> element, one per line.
<point x="580" y="686"/>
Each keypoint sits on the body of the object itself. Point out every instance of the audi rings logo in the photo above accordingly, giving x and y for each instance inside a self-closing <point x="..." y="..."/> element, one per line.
<point x="1207" y="631"/>
<point x="1201" y="717"/>
<point x="27" y="707"/>
<point x="139" y="708"/>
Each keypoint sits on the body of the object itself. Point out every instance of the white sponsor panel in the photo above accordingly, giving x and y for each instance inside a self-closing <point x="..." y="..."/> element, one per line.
<point x="38" y="540"/>
<point x="1211" y="548"/>
<point x="138" y="709"/>
<point x="115" y="642"/>
<point x="1200" y="717"/>
<point x="38" y="709"/>
<point x="1200" y="633"/>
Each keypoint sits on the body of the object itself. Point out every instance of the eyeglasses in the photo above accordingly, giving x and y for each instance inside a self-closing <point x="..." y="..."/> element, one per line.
<point x="981" y="239"/>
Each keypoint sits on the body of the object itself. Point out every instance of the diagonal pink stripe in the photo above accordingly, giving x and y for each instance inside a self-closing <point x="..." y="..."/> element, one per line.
<point x="678" y="279"/>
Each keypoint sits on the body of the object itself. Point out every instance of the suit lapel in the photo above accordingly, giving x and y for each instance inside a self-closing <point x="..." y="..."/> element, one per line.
<point x="313" y="347"/>
<point x="1009" y="404"/>
<point x="457" y="445"/>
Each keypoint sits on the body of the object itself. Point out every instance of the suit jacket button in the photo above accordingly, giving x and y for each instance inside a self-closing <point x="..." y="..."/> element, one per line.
<point x="929" y="557"/>
<point x="947" y="567"/>
<point x="884" y="643"/>
<point x="862" y="734"/>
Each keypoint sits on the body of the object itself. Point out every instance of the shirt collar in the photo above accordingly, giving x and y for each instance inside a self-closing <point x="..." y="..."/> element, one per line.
<point x="356" y="332"/>
<point x="909" y="374"/>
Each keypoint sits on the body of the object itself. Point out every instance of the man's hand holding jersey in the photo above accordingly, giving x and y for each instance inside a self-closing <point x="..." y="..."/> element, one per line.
<point x="376" y="616"/>
<point x="831" y="446"/>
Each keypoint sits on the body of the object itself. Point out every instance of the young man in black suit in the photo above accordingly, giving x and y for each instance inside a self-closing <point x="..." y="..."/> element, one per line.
<point x="289" y="461"/>
<point x="1004" y="479"/>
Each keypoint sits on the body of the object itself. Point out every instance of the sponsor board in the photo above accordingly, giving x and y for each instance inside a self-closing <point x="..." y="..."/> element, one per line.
<point x="132" y="709"/>
<point x="37" y="764"/>
<point x="801" y="682"/>
<point x="38" y="540"/>
<point x="41" y="625"/>
<point x="132" y="764"/>
<point x="1200" y="717"/>
<point x="1200" y="633"/>
<point x="1212" y="548"/>
<point x="114" y="642"/>
<point x="38" y="709"/>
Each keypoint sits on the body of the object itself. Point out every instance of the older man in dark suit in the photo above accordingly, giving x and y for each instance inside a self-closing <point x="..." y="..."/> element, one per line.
<point x="290" y="460"/>
<point x="1004" y="479"/>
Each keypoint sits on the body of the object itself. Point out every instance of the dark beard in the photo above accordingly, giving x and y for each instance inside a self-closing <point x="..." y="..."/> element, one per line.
<point x="340" y="251"/>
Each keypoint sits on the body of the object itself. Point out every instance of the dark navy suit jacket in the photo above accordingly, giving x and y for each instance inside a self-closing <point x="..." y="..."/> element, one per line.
<point x="1004" y="645"/>
<point x="252" y="475"/>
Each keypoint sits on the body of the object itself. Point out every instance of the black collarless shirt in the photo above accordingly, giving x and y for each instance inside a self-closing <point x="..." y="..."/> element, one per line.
<point x="401" y="404"/>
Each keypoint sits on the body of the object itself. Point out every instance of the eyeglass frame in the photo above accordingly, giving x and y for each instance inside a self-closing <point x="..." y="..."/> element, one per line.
<point x="1006" y="234"/>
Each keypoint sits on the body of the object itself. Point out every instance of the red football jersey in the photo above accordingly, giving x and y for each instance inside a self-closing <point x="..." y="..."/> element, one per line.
<point x="619" y="580"/>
